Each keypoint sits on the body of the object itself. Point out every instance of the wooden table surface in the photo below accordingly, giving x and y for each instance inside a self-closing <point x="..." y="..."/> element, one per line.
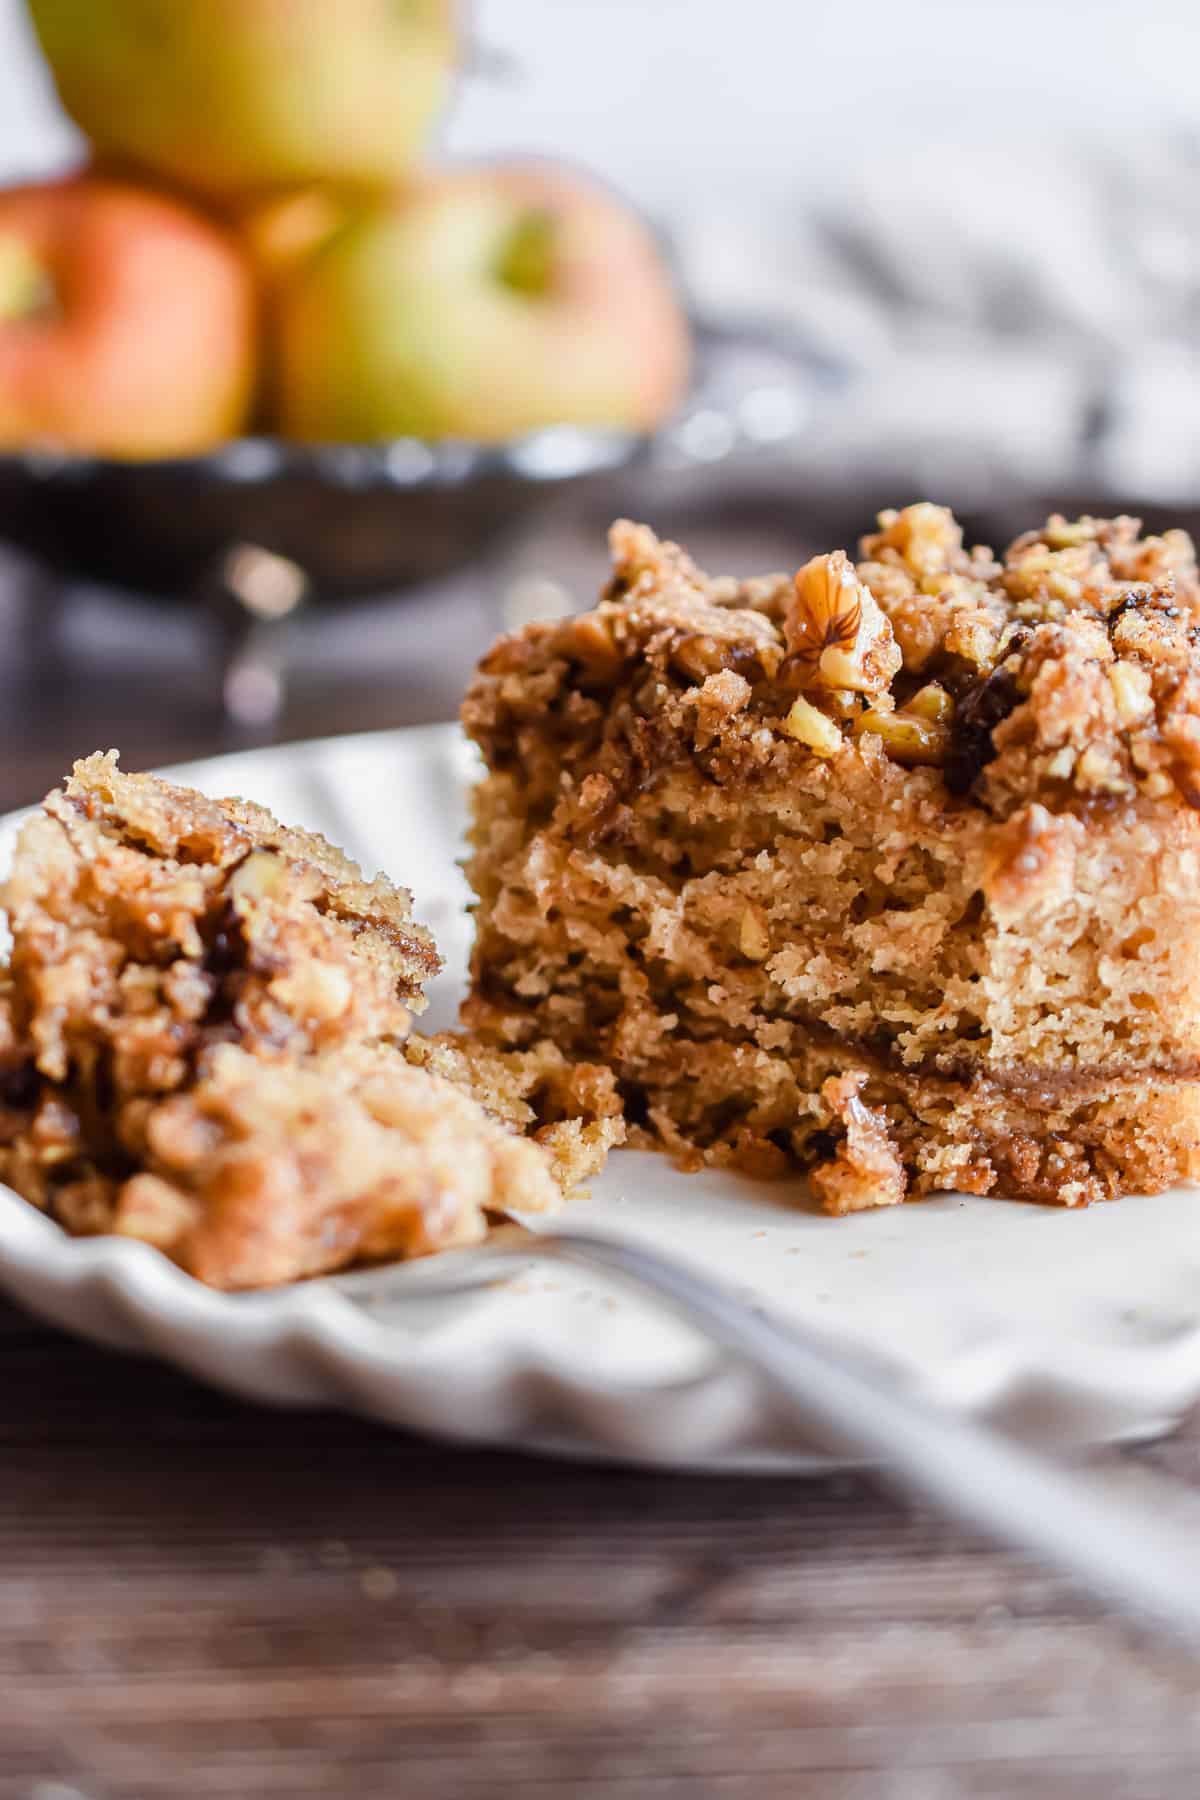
<point x="204" y="1599"/>
<point x="199" y="1598"/>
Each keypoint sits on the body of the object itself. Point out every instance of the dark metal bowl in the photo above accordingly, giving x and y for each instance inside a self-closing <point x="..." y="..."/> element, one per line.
<point x="354" y="520"/>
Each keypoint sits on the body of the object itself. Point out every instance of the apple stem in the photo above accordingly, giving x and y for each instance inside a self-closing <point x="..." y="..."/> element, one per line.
<point x="526" y="259"/>
<point x="26" y="290"/>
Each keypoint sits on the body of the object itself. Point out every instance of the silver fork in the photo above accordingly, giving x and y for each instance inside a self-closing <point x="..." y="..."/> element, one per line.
<point x="853" y="1407"/>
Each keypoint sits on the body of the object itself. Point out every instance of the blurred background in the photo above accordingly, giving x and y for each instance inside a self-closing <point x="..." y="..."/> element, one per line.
<point x="923" y="251"/>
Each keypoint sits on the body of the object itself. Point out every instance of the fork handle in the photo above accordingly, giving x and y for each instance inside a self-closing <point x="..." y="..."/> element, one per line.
<point x="1146" y="1563"/>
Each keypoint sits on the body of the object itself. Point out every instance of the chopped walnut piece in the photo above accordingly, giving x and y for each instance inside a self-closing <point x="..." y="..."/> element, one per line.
<point x="264" y="875"/>
<point x="836" y="631"/>
<point x="318" y="992"/>
<point x="1101" y="771"/>
<point x="754" y="936"/>
<point x="1063" y="534"/>
<point x="866" y="1170"/>
<point x="812" y="728"/>
<point x="1042" y="575"/>
<point x="590" y="641"/>
<point x="1132" y="694"/>
<point x="907" y="738"/>
<point x="927" y="539"/>
<point x="932" y="702"/>
<point x="844" y="705"/>
<point x="716" y="641"/>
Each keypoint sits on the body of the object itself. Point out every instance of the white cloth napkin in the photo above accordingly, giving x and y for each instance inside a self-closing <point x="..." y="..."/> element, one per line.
<point x="1032" y="306"/>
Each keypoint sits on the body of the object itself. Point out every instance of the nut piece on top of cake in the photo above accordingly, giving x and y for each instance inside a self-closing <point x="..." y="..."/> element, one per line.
<point x="888" y="872"/>
<point x="205" y="1043"/>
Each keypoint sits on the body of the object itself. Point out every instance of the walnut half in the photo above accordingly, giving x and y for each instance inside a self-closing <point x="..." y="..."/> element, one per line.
<point x="835" y="630"/>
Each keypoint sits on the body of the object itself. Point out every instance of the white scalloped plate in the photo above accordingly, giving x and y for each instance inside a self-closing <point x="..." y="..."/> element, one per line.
<point x="1068" y="1327"/>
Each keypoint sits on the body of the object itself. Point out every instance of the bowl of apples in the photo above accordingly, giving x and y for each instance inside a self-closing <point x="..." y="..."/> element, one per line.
<point x="254" y="351"/>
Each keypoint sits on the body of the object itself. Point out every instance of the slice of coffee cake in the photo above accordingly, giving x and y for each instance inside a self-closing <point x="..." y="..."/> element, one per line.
<point x="890" y="872"/>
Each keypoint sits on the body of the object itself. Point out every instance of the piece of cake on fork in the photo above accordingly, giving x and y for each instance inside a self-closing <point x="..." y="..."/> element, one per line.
<point x="206" y="1044"/>
<point x="889" y="872"/>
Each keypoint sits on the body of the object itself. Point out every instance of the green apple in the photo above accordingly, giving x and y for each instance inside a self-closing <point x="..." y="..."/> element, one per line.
<point x="235" y="96"/>
<point x="483" y="302"/>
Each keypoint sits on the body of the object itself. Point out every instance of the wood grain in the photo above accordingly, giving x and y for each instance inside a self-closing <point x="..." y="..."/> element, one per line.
<point x="200" y="1598"/>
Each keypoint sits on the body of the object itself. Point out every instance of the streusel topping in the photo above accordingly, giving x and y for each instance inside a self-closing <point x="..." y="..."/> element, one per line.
<point x="1067" y="671"/>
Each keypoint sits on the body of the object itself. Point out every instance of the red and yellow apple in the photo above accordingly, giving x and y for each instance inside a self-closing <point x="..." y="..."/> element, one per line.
<point x="230" y="96"/>
<point x="127" y="322"/>
<point x="482" y="302"/>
